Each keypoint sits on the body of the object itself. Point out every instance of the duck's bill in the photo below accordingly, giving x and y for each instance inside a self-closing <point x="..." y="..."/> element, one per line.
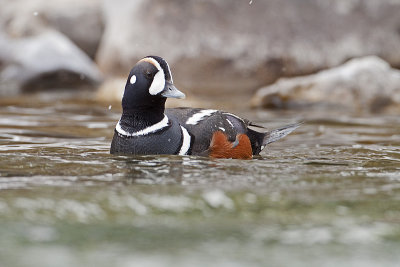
<point x="171" y="91"/>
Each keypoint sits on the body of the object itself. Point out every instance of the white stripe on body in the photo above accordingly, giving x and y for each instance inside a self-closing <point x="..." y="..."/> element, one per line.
<point x="197" y="117"/>
<point x="233" y="115"/>
<point x="185" y="143"/>
<point x="231" y="124"/>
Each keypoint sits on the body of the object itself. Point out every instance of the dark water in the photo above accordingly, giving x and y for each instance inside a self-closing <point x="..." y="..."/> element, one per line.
<point x="328" y="194"/>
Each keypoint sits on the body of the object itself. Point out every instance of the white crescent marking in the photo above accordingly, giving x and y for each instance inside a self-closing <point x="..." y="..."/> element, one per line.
<point x="158" y="83"/>
<point x="151" y="129"/>
<point x="185" y="143"/>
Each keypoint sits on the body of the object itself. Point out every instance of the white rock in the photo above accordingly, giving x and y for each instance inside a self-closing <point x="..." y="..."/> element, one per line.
<point x="80" y="21"/>
<point x="47" y="59"/>
<point x="366" y="84"/>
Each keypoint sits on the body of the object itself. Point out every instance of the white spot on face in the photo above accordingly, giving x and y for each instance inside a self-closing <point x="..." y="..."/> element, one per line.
<point x="158" y="83"/>
<point x="185" y="143"/>
<point x="262" y="147"/>
<point x="151" y="129"/>
<point x="221" y="128"/>
<point x="133" y="79"/>
<point x="197" y="117"/>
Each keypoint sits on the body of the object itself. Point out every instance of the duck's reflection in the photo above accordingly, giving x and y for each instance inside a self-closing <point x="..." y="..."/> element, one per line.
<point x="162" y="169"/>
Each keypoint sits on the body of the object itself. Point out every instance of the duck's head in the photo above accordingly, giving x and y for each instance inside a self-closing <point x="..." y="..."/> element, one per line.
<point x="149" y="84"/>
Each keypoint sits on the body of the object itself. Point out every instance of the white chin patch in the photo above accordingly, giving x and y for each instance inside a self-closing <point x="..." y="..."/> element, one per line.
<point x="133" y="79"/>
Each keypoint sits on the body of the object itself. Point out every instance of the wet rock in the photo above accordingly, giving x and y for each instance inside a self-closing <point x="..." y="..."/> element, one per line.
<point x="362" y="84"/>
<point x="221" y="47"/>
<point x="47" y="60"/>
<point x="80" y="21"/>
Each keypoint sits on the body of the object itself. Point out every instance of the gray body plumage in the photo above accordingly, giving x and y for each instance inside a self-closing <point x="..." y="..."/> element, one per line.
<point x="230" y="124"/>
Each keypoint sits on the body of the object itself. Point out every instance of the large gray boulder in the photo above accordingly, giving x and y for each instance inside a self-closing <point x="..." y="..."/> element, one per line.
<point x="366" y="84"/>
<point x="45" y="61"/>
<point x="231" y="47"/>
<point x="81" y="21"/>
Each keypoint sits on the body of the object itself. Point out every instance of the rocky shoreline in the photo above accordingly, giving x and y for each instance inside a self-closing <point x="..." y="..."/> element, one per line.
<point x="215" y="48"/>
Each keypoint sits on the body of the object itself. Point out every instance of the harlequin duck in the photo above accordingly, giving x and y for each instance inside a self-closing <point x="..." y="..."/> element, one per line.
<point x="147" y="127"/>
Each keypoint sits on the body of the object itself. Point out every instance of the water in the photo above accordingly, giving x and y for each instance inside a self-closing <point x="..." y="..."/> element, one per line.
<point x="328" y="194"/>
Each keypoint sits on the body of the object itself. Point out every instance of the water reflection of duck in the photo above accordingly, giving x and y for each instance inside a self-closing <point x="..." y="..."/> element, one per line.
<point x="146" y="127"/>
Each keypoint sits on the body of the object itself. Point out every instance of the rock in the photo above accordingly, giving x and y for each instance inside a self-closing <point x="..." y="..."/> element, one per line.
<point x="362" y="84"/>
<point x="47" y="60"/>
<point x="111" y="90"/>
<point x="224" y="47"/>
<point x="80" y="21"/>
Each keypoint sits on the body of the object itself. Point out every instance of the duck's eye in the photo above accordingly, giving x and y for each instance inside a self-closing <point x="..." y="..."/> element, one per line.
<point x="148" y="74"/>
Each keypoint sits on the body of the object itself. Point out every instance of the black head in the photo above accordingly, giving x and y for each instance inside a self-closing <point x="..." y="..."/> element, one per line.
<point x="149" y="84"/>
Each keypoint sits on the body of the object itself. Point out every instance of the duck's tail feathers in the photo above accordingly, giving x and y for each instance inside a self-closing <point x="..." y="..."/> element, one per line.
<point x="259" y="140"/>
<point x="279" y="133"/>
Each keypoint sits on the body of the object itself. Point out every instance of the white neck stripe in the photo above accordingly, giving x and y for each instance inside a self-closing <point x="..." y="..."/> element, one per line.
<point x="151" y="129"/>
<point x="169" y="71"/>
<point x="185" y="143"/>
<point x="197" y="117"/>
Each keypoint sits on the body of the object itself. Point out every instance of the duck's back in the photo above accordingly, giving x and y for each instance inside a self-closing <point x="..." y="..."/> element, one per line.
<point x="203" y="123"/>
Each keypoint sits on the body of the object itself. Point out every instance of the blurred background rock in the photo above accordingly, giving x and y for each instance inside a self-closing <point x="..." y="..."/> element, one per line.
<point x="221" y="50"/>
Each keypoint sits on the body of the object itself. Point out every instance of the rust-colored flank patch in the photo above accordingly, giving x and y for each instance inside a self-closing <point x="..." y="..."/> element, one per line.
<point x="221" y="147"/>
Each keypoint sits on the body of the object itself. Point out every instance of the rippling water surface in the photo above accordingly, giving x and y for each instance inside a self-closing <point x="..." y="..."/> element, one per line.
<point x="328" y="194"/>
